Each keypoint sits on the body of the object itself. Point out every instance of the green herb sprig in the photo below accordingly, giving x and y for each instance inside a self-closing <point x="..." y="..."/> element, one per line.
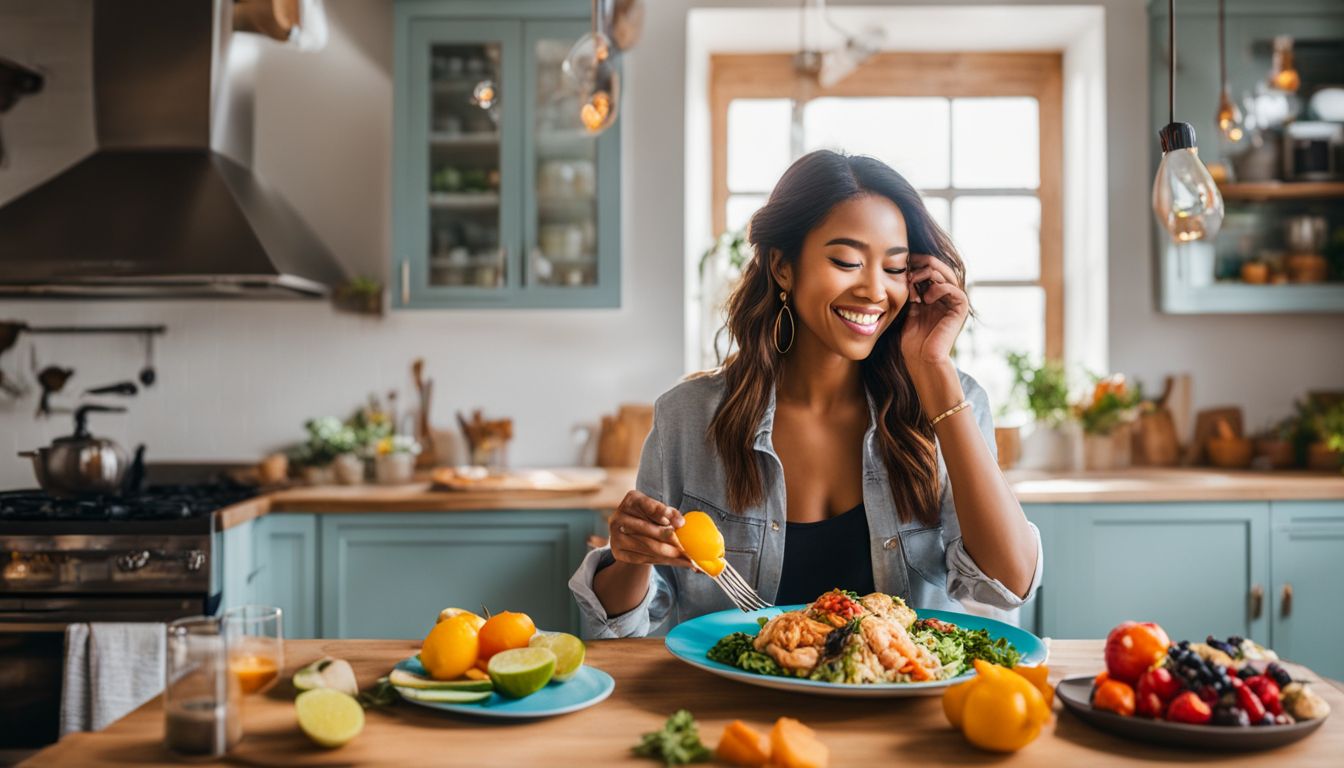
<point x="678" y="743"/>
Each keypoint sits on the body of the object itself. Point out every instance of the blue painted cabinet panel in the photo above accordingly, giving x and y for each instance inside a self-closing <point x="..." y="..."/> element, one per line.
<point x="237" y="556"/>
<point x="389" y="575"/>
<point x="1033" y="615"/>
<point x="1307" y="592"/>
<point x="286" y="570"/>
<point x="1189" y="567"/>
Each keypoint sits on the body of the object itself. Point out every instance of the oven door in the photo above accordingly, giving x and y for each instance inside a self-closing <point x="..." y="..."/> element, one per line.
<point x="32" y="654"/>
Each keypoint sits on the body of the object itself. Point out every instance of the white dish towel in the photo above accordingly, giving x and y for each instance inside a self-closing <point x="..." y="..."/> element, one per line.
<point x="110" y="669"/>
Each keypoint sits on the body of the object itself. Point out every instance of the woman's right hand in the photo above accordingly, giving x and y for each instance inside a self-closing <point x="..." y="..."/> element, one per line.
<point x="643" y="532"/>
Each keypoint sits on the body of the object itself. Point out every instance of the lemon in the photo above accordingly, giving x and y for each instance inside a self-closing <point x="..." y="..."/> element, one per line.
<point x="521" y="671"/>
<point x="451" y="648"/>
<point x="568" y="650"/>
<point x="330" y="718"/>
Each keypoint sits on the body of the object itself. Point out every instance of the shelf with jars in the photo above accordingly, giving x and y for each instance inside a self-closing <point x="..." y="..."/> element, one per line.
<point x="501" y="197"/>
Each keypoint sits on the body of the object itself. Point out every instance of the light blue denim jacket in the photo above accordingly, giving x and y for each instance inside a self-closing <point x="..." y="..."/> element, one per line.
<point x="928" y="566"/>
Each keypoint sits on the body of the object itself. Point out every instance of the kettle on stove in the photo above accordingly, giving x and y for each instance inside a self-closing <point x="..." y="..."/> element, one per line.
<point x="80" y="464"/>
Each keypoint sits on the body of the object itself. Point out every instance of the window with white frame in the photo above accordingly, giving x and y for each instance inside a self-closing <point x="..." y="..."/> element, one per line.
<point x="977" y="134"/>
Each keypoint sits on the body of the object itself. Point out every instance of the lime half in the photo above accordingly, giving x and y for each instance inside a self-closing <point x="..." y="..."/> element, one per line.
<point x="330" y="718"/>
<point x="568" y="650"/>
<point x="521" y="671"/>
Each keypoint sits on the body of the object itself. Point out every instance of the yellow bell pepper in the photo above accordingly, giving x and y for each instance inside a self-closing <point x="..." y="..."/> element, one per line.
<point x="997" y="710"/>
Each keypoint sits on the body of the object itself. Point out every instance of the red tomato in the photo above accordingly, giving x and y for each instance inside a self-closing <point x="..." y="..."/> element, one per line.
<point x="1132" y="648"/>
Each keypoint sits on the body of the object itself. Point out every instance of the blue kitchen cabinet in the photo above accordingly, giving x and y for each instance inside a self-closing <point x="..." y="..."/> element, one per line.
<point x="1308" y="569"/>
<point x="500" y="198"/>
<point x="285" y="571"/>
<point x="237" y="572"/>
<point x="1194" y="568"/>
<point x="389" y="575"/>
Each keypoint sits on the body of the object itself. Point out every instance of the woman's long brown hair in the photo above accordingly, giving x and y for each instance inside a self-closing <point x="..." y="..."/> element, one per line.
<point x="804" y="196"/>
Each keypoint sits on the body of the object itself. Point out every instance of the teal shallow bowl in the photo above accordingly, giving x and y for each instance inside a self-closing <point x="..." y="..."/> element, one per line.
<point x="692" y="639"/>
<point x="586" y="688"/>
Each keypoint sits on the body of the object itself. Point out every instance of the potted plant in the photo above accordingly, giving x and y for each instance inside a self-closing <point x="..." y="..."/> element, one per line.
<point x="394" y="459"/>
<point x="328" y="438"/>
<point x="1106" y="417"/>
<point x="1053" y="442"/>
<point x="1327" y="452"/>
<point x="720" y="269"/>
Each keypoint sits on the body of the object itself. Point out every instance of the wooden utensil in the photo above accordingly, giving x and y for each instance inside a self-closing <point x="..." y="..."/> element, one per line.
<point x="1206" y="426"/>
<point x="1155" y="443"/>
<point x="424" y="388"/>
<point x="638" y="421"/>
<point x="612" y="441"/>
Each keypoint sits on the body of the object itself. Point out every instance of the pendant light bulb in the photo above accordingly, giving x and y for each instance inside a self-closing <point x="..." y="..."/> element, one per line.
<point x="1283" y="75"/>
<point x="1185" y="199"/>
<point x="1229" y="118"/>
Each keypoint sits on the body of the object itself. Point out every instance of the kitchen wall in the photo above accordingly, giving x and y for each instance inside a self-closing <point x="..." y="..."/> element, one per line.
<point x="237" y="379"/>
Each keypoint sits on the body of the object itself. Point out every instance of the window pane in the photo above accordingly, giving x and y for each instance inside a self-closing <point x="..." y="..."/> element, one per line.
<point x="999" y="237"/>
<point x="938" y="209"/>
<point x="740" y="208"/>
<point x="758" y="143"/>
<point x="909" y="134"/>
<point x="1007" y="320"/>
<point x="996" y="143"/>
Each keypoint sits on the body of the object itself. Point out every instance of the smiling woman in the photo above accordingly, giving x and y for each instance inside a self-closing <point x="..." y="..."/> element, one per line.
<point x="838" y="447"/>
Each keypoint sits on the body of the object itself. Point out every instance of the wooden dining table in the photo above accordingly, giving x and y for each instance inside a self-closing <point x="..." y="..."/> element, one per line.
<point x="650" y="685"/>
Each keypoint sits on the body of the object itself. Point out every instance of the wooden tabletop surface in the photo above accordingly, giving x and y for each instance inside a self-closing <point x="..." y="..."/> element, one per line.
<point x="651" y="684"/>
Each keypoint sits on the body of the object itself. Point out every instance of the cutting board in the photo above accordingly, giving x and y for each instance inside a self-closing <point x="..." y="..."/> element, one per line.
<point x="1206" y="426"/>
<point x="541" y="480"/>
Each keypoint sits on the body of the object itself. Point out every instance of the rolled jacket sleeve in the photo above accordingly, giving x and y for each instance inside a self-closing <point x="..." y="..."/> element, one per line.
<point x="660" y="597"/>
<point x="639" y="621"/>
<point x="965" y="580"/>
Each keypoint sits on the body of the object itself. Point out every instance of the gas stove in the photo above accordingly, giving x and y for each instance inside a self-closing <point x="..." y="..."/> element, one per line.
<point x="156" y="509"/>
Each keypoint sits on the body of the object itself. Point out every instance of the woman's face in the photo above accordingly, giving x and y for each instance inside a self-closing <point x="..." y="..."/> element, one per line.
<point x="849" y="282"/>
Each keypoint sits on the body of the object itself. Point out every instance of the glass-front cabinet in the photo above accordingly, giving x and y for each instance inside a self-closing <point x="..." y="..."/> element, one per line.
<point x="501" y="199"/>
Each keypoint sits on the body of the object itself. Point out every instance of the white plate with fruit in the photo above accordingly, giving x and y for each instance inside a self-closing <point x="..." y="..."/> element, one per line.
<point x="499" y="667"/>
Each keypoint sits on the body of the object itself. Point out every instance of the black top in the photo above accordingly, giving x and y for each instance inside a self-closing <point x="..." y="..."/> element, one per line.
<point x="824" y="555"/>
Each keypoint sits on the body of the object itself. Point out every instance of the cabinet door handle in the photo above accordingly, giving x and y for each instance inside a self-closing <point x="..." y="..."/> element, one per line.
<point x="1257" y="601"/>
<point x="1286" y="600"/>
<point x="405" y="282"/>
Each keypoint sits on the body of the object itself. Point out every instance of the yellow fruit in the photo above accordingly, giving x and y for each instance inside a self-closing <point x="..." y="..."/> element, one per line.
<point x="448" y="613"/>
<point x="330" y="718"/>
<point x="794" y="745"/>
<point x="712" y="567"/>
<point x="743" y="746"/>
<point x="451" y="648"/>
<point x="1003" y="712"/>
<point x="700" y="537"/>
<point x="954" y="701"/>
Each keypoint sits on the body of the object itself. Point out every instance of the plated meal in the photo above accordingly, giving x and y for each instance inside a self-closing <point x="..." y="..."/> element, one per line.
<point x="844" y="644"/>
<point x="1231" y="693"/>
<point x="846" y="638"/>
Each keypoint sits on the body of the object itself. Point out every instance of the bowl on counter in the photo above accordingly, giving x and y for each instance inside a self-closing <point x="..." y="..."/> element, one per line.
<point x="1273" y="453"/>
<point x="1230" y="452"/>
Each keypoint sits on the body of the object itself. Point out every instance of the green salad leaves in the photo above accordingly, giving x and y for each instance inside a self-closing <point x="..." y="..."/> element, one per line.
<point x="736" y="650"/>
<point x="964" y="646"/>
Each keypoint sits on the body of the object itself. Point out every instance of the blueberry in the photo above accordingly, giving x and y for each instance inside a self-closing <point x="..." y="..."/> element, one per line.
<point x="1234" y="640"/>
<point x="1184" y="644"/>
<point x="1278" y="674"/>
<point x="1268" y="719"/>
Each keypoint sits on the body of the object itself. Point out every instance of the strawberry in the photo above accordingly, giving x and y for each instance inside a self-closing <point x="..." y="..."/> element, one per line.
<point x="1189" y="708"/>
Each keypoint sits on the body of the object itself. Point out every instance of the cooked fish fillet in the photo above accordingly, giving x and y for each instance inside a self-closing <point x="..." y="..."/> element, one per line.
<point x="793" y="640"/>
<point x="895" y="650"/>
<point x="889" y="607"/>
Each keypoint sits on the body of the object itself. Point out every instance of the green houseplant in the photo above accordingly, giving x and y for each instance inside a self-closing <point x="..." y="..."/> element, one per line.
<point x="1053" y="443"/>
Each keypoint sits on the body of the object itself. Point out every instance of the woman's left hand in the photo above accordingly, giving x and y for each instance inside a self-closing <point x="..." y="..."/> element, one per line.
<point x="934" y="318"/>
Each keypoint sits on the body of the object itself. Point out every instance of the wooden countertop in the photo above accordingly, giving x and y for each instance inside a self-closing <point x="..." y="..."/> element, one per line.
<point x="651" y="684"/>
<point x="1151" y="484"/>
<point x="1136" y="485"/>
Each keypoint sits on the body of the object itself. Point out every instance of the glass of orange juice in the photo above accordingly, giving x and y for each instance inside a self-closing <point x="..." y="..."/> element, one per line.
<point x="256" y="640"/>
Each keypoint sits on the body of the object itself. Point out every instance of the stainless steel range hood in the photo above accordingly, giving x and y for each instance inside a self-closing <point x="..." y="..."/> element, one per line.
<point x="156" y="210"/>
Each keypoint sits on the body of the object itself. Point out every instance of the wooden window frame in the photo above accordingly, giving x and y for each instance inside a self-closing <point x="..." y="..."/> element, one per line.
<point x="944" y="75"/>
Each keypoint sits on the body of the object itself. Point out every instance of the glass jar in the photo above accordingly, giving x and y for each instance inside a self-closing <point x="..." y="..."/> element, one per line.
<point x="200" y="695"/>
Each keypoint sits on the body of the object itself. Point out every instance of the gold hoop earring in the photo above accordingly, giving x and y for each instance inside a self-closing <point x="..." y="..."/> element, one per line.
<point x="793" y="328"/>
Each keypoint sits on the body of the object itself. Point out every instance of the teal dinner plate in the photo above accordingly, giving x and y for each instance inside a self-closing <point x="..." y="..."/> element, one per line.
<point x="586" y="688"/>
<point x="692" y="639"/>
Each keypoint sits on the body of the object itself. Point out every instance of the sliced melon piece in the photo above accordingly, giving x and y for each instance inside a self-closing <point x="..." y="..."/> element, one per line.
<point x="403" y="679"/>
<point x="444" y="696"/>
<point x="327" y="672"/>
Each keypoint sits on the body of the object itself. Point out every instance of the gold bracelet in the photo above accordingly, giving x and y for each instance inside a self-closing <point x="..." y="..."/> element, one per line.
<point x="963" y="405"/>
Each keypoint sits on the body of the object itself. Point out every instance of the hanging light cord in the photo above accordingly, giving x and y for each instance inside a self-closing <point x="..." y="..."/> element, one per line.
<point x="1222" y="50"/>
<point x="1171" y="65"/>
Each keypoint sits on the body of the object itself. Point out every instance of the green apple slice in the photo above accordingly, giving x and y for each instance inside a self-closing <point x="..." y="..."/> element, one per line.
<point x="403" y="679"/>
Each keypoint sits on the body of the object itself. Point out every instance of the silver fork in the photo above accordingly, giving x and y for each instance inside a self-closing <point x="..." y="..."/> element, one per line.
<point x="733" y="585"/>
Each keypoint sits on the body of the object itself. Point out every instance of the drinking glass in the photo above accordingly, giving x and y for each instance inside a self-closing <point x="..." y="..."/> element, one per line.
<point x="256" y="645"/>
<point x="200" y="697"/>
